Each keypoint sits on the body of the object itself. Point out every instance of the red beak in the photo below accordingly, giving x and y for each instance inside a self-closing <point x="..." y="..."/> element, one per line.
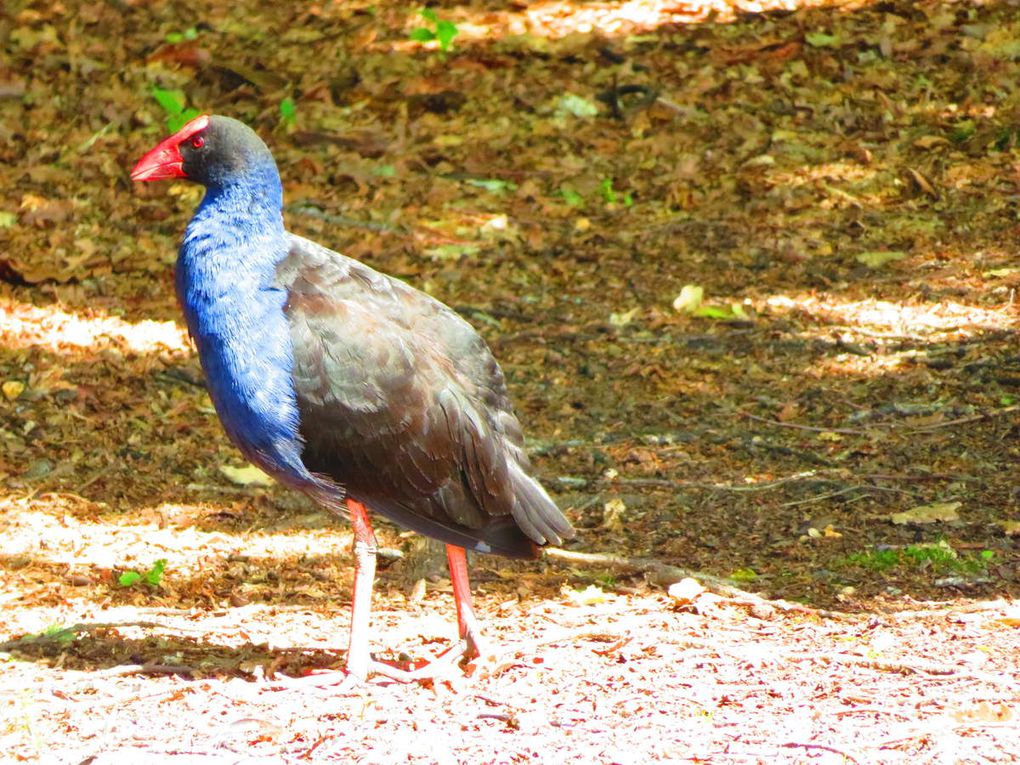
<point x="165" y="161"/>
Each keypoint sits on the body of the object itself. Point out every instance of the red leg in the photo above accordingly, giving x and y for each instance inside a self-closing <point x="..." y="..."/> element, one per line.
<point x="359" y="662"/>
<point x="358" y="659"/>
<point x="467" y="625"/>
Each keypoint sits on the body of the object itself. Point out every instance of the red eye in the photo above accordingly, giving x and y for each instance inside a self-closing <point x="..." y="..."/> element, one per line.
<point x="198" y="142"/>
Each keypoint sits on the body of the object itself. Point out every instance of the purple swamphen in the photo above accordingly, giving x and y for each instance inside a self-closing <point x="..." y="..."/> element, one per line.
<point x="345" y="383"/>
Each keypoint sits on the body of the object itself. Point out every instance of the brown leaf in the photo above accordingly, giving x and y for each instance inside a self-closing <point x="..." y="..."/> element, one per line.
<point x="41" y="212"/>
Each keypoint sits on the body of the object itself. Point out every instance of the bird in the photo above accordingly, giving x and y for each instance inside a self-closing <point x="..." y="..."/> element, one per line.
<point x="345" y="383"/>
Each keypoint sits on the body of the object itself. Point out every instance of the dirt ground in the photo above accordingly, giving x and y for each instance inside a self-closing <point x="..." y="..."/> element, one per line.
<point x="750" y="269"/>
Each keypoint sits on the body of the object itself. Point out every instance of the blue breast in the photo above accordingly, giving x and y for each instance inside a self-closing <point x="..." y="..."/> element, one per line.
<point x="235" y="313"/>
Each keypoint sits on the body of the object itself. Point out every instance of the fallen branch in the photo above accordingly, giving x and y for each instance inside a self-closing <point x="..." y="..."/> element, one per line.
<point x="963" y="420"/>
<point x="665" y="574"/>
<point x="811" y="428"/>
<point x="127" y="670"/>
<point x="667" y="483"/>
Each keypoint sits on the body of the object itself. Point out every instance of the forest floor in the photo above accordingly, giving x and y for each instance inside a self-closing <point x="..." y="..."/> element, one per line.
<point x="751" y="274"/>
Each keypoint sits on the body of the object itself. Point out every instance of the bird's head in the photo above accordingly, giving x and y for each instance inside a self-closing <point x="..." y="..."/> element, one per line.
<point x="211" y="150"/>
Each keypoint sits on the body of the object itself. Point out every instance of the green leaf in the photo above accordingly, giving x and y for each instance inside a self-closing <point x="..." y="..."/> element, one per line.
<point x="878" y="258"/>
<point x="821" y="40"/>
<point x="177" y="121"/>
<point x="62" y="635"/>
<point x="452" y="251"/>
<point x="171" y="101"/>
<point x="429" y="15"/>
<point x="248" y="475"/>
<point x="713" y="312"/>
<point x="155" y="574"/>
<point x="129" y="578"/>
<point x="963" y="131"/>
<point x="421" y="34"/>
<point x="385" y="171"/>
<point x="288" y="111"/>
<point x="606" y="188"/>
<point x="936" y="512"/>
<point x="572" y="197"/>
<point x="744" y="575"/>
<point x="495" y="185"/>
<point x="7" y="219"/>
<point x="445" y="32"/>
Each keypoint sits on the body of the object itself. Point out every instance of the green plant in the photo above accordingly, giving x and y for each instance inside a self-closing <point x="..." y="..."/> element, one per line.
<point x="173" y="105"/>
<point x="606" y="581"/>
<point x="189" y="34"/>
<point x="440" y="30"/>
<point x="288" y="112"/>
<point x="151" y="577"/>
<point x="58" y="634"/>
<point x="611" y="196"/>
<point x="876" y="560"/>
<point x="571" y="196"/>
<point x="939" y="556"/>
<point x="963" y="131"/>
<point x="743" y="575"/>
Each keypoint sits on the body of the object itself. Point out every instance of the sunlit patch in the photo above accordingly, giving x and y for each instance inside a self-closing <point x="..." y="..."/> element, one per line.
<point x="559" y="18"/>
<point x="844" y="172"/>
<point x="60" y="539"/>
<point x="861" y="366"/>
<point x="23" y="325"/>
<point x="880" y="328"/>
<point x="944" y="318"/>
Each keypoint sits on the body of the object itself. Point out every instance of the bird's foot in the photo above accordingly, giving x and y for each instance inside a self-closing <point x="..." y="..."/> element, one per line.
<point x="465" y="658"/>
<point x="453" y="664"/>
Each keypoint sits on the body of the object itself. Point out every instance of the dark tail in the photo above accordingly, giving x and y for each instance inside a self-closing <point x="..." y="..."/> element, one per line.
<point x="535" y="512"/>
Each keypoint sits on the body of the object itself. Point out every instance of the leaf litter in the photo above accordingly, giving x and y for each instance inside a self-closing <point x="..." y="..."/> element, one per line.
<point x="560" y="174"/>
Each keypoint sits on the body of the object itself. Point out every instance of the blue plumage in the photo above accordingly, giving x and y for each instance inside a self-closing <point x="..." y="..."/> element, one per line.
<point x="235" y="312"/>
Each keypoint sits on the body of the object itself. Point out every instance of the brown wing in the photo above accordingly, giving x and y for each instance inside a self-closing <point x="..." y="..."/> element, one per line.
<point x="402" y="403"/>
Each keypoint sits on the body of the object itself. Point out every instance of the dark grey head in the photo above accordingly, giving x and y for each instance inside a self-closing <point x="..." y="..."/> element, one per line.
<point x="212" y="150"/>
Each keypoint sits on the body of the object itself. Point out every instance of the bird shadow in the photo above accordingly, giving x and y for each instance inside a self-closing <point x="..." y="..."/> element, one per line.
<point x="101" y="647"/>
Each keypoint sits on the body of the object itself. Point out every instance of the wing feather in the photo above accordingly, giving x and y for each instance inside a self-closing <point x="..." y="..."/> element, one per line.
<point x="403" y="404"/>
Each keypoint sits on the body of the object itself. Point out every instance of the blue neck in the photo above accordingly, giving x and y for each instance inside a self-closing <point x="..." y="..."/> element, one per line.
<point x="244" y="215"/>
<point x="226" y="284"/>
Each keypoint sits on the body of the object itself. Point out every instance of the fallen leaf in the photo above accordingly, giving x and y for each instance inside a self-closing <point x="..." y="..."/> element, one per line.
<point x="878" y="258"/>
<point x="922" y="183"/>
<point x="623" y="319"/>
<point x="1010" y="528"/>
<point x="821" y="40"/>
<point x="249" y="475"/>
<point x="690" y="298"/>
<point x="984" y="711"/>
<point x="612" y="515"/>
<point x="577" y="106"/>
<point x="685" y="591"/>
<point x="938" y="512"/>
<point x="590" y="596"/>
<point x="930" y="141"/>
<point x="12" y="389"/>
<point x="39" y="211"/>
